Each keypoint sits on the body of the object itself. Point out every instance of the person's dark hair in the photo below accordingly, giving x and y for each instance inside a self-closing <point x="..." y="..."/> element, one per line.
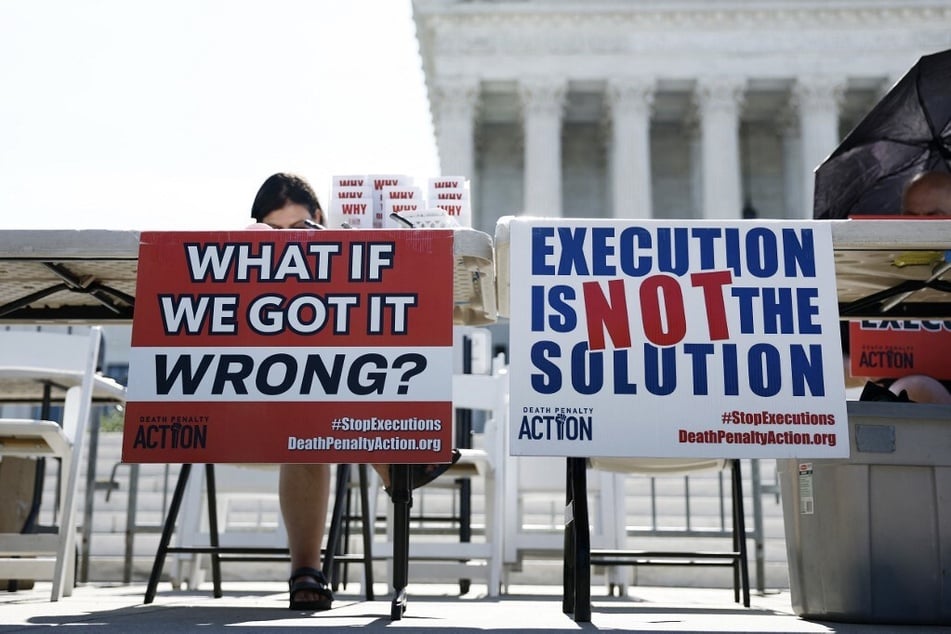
<point x="280" y="189"/>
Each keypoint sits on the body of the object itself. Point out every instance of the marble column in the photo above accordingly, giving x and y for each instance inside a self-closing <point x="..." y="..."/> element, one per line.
<point x="787" y="125"/>
<point x="691" y="133"/>
<point x="630" y="100"/>
<point x="454" y="104"/>
<point x="718" y="101"/>
<point x="542" y="101"/>
<point x="817" y="101"/>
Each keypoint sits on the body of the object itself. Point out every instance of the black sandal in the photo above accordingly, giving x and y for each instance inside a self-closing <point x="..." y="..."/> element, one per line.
<point x="319" y="587"/>
<point x="422" y="474"/>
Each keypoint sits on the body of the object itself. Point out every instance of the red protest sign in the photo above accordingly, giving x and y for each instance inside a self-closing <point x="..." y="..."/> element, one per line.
<point x="897" y="348"/>
<point x="291" y="346"/>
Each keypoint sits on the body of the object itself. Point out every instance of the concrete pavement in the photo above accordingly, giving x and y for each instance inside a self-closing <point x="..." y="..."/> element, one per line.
<point x="251" y="606"/>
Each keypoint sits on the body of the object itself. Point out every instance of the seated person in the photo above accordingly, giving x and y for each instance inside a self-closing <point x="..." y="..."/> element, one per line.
<point x="928" y="194"/>
<point x="286" y="201"/>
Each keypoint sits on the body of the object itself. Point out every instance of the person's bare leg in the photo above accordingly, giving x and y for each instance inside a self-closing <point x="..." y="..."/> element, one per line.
<point x="922" y="389"/>
<point x="304" y="492"/>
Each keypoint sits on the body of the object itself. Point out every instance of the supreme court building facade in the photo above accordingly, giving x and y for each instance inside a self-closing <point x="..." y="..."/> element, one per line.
<point x="658" y="108"/>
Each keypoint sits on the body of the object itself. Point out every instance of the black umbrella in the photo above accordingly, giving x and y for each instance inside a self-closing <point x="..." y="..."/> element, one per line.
<point x="907" y="132"/>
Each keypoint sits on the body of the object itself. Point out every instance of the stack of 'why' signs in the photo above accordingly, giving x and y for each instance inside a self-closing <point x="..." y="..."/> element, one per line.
<point x="391" y="201"/>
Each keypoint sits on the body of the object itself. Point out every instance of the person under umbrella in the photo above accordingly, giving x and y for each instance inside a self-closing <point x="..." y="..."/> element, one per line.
<point x="928" y="194"/>
<point x="907" y="133"/>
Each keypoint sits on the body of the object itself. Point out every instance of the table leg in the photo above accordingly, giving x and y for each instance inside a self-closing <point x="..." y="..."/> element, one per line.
<point x="368" y="523"/>
<point x="577" y="557"/>
<point x="568" y="551"/>
<point x="167" y="531"/>
<point x="211" y="489"/>
<point x="336" y="520"/>
<point x="739" y="536"/>
<point x="402" y="501"/>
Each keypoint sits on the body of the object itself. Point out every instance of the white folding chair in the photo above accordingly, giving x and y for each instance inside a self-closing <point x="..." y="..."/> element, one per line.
<point x="535" y="512"/>
<point x="68" y="362"/>
<point x="443" y="556"/>
<point x="618" y="555"/>
<point x="248" y="526"/>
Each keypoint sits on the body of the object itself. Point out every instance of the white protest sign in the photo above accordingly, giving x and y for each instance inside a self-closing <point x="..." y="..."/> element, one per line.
<point x="377" y="183"/>
<point x="675" y="339"/>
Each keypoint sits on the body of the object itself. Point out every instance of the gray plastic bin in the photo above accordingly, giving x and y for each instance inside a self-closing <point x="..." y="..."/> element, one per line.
<point x="868" y="539"/>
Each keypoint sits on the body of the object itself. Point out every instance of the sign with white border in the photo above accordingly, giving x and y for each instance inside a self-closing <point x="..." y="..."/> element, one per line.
<point x="291" y="346"/>
<point x="675" y="339"/>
